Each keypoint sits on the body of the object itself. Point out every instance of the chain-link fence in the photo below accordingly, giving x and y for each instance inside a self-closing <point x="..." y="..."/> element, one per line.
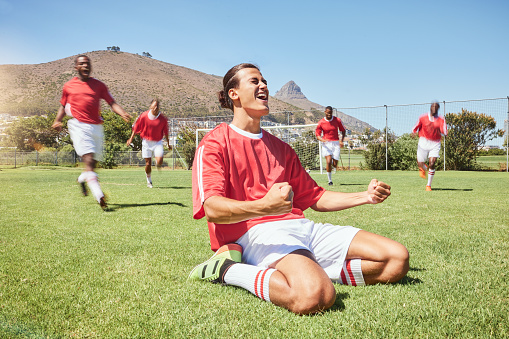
<point x="400" y="119"/>
<point x="15" y="158"/>
<point x="397" y="119"/>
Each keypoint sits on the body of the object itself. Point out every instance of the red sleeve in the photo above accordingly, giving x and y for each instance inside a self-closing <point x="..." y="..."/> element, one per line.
<point x="208" y="175"/>
<point x="341" y="126"/>
<point x="443" y="128"/>
<point x="417" y="126"/>
<point x="105" y="94"/>
<point x="166" y="131"/>
<point x="63" y="100"/>
<point x="306" y="191"/>
<point x="138" y="124"/>
<point x="318" y="130"/>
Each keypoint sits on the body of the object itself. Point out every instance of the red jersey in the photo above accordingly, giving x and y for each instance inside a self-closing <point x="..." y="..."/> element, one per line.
<point x="243" y="166"/>
<point x="330" y="128"/>
<point x="151" y="129"/>
<point x="82" y="99"/>
<point x="430" y="127"/>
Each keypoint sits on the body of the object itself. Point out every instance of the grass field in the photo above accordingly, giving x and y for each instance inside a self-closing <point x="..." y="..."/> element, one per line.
<point x="68" y="269"/>
<point x="496" y="162"/>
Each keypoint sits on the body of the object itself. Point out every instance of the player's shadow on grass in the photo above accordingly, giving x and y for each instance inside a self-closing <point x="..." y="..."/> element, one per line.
<point x="173" y="187"/>
<point x="114" y="207"/>
<point x="409" y="281"/>
<point x="406" y="280"/>
<point x="339" y="305"/>
<point x="453" y="189"/>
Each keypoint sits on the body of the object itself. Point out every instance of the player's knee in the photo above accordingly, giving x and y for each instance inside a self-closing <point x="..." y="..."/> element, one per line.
<point x="314" y="299"/>
<point x="399" y="263"/>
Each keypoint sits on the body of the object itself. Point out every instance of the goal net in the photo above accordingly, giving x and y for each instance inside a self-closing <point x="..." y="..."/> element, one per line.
<point x="300" y="137"/>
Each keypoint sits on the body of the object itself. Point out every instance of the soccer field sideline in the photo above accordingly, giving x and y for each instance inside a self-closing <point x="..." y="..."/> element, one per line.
<point x="69" y="269"/>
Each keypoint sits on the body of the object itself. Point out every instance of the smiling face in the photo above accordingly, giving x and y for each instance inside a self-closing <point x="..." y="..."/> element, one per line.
<point x="154" y="107"/>
<point x="328" y="113"/>
<point x="84" y="67"/>
<point x="251" y="94"/>
<point x="434" y="108"/>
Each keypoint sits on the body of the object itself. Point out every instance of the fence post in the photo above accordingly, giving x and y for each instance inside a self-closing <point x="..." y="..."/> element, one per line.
<point x="348" y="156"/>
<point x="320" y="156"/>
<point x="56" y="158"/>
<point x="507" y="139"/>
<point x="173" y="150"/>
<point x="444" y="136"/>
<point x="386" y="140"/>
<point x="36" y="157"/>
<point x="15" y="148"/>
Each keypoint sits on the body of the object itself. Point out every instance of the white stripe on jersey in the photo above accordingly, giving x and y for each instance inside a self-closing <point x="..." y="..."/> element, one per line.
<point x="200" y="173"/>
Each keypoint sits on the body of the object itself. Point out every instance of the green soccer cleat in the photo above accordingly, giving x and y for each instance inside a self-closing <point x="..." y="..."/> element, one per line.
<point x="213" y="270"/>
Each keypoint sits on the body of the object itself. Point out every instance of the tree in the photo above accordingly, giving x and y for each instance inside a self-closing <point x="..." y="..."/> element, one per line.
<point x="116" y="130"/>
<point x="186" y="142"/>
<point x="116" y="133"/>
<point x="375" y="155"/>
<point x="403" y="153"/>
<point x="467" y="133"/>
<point x="34" y="133"/>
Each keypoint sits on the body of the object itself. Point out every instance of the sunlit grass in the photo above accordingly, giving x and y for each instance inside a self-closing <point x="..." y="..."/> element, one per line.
<point x="68" y="269"/>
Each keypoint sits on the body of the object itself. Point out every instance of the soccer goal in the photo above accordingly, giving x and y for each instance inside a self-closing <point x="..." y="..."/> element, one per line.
<point x="300" y="137"/>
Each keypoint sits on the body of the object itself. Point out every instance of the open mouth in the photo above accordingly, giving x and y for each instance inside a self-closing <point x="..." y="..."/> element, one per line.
<point x="262" y="96"/>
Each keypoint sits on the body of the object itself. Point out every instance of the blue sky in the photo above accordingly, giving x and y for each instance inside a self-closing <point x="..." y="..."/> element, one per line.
<point x="341" y="53"/>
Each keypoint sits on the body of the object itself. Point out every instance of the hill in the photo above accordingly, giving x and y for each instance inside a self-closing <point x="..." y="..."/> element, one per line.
<point x="292" y="94"/>
<point x="132" y="79"/>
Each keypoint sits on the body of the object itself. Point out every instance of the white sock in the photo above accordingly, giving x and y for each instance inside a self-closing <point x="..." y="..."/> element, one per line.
<point x="252" y="278"/>
<point x="431" y="174"/>
<point x="83" y="177"/>
<point x="329" y="176"/>
<point x="351" y="274"/>
<point x="93" y="184"/>
<point x="149" y="179"/>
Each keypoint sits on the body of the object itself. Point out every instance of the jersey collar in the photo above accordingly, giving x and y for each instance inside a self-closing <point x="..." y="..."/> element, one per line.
<point x="152" y="116"/>
<point x="247" y="134"/>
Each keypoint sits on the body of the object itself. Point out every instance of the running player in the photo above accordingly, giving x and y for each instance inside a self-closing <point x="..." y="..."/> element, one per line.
<point x="152" y="127"/>
<point x="327" y="132"/>
<point x="431" y="127"/>
<point x="253" y="190"/>
<point x="81" y="98"/>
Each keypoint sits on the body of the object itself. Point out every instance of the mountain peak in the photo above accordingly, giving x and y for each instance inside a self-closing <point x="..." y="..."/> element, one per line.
<point x="290" y="90"/>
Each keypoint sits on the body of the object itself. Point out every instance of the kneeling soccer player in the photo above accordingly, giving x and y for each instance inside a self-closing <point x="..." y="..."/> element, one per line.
<point x="253" y="190"/>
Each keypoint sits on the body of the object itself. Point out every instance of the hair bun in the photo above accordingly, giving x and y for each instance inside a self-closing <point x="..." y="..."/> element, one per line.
<point x="223" y="99"/>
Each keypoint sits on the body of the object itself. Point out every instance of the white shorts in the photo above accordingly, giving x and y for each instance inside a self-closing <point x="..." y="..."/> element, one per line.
<point x="149" y="147"/>
<point x="266" y="243"/>
<point x="86" y="138"/>
<point x="331" y="148"/>
<point x="427" y="149"/>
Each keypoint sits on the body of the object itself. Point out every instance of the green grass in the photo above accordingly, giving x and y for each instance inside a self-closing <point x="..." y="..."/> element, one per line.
<point x="68" y="269"/>
<point x="496" y="162"/>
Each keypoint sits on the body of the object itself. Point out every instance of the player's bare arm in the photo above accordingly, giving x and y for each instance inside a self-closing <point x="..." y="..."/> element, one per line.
<point x="331" y="201"/>
<point x="168" y="142"/>
<point x="57" y="124"/>
<point x="277" y="201"/>
<point x="130" y="140"/>
<point x="120" y="111"/>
